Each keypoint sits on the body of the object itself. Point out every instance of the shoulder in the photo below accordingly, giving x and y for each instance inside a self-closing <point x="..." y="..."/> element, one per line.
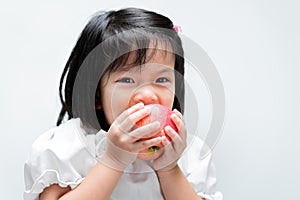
<point x="56" y="157"/>
<point x="58" y="139"/>
<point x="60" y="133"/>
<point x="64" y="141"/>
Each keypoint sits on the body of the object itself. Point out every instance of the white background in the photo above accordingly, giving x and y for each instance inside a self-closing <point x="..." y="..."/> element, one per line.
<point x="254" y="44"/>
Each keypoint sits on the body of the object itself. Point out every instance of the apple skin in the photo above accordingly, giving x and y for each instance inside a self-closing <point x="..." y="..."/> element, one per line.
<point x="157" y="113"/>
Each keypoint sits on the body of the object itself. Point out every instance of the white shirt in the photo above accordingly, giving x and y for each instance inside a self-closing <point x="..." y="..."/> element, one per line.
<point x="65" y="154"/>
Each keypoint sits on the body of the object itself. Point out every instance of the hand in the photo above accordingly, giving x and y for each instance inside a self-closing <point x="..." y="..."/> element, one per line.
<point x="123" y="141"/>
<point x="174" y="148"/>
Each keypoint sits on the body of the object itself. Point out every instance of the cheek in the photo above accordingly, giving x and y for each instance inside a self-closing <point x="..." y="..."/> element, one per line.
<point x="167" y="98"/>
<point x="114" y="103"/>
<point x="170" y="102"/>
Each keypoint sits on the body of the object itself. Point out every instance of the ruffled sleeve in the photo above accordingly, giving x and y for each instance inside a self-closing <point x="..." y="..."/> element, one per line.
<point x="59" y="156"/>
<point x="197" y="165"/>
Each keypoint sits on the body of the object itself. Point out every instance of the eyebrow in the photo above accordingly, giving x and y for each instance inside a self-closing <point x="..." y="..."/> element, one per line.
<point x="128" y="69"/>
<point x="166" y="70"/>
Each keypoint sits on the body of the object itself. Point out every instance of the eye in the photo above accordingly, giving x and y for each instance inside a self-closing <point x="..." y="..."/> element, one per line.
<point x="162" y="80"/>
<point x="126" y="80"/>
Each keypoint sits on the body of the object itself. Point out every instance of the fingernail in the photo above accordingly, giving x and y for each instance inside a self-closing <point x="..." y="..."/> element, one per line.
<point x="140" y="105"/>
<point x="168" y="128"/>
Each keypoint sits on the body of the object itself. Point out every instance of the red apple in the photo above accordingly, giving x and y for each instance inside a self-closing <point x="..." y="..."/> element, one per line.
<point x="157" y="113"/>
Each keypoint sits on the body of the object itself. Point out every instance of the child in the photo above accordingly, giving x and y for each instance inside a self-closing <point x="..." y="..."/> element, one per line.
<point x="122" y="61"/>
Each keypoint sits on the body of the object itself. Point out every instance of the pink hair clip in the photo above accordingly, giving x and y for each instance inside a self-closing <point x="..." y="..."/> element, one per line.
<point x="177" y="29"/>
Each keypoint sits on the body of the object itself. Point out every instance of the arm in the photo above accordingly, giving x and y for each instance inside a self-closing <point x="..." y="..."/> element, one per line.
<point x="122" y="147"/>
<point x="98" y="184"/>
<point x="54" y="192"/>
<point x="174" y="185"/>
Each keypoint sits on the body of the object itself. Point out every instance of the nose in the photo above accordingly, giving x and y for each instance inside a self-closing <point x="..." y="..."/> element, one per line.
<point x="145" y="94"/>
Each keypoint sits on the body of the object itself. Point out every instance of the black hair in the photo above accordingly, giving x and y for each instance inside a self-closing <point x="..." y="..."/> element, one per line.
<point x="99" y="51"/>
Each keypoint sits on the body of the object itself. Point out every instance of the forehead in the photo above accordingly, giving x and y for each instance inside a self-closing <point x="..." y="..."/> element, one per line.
<point x="153" y="56"/>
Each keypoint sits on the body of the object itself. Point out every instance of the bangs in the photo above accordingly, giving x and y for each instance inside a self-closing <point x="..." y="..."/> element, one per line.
<point x="136" y="47"/>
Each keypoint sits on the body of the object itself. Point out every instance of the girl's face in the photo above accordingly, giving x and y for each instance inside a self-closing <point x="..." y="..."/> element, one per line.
<point x="153" y="82"/>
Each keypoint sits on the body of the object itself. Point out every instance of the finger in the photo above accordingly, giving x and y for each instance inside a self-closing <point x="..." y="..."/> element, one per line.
<point x="178" y="113"/>
<point x="177" y="142"/>
<point x="167" y="144"/>
<point x="129" y="121"/>
<point x="141" y="145"/>
<point x="171" y="133"/>
<point x="129" y="111"/>
<point x="146" y="131"/>
<point x="132" y="119"/>
<point x="179" y="124"/>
